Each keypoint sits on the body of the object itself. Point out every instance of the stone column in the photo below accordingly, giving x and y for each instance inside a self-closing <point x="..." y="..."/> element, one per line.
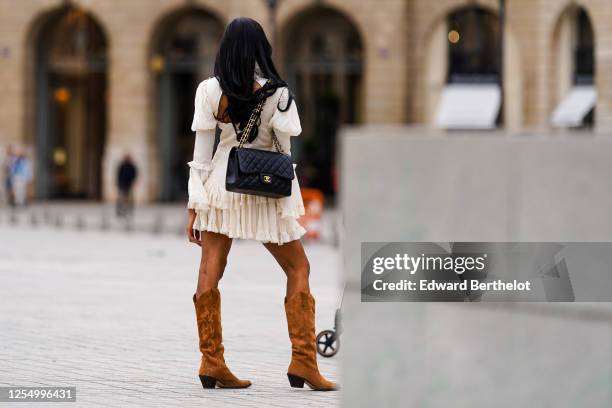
<point x="14" y="25"/>
<point x="382" y="25"/>
<point x="601" y="17"/>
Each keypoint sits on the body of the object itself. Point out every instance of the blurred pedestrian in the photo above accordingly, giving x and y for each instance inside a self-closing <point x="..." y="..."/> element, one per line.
<point x="20" y="179"/>
<point x="127" y="174"/>
<point x="7" y="168"/>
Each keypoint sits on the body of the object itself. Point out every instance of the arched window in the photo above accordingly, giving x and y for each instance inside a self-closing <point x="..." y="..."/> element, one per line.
<point x="71" y="105"/>
<point x="183" y="54"/>
<point x="471" y="98"/>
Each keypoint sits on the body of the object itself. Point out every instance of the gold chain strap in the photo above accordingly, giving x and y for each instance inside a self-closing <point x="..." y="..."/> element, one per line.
<point x="277" y="143"/>
<point x="247" y="129"/>
<point x="249" y="126"/>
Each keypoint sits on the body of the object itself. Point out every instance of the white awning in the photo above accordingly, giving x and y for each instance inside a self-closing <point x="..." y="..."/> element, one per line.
<point x="468" y="106"/>
<point x="574" y="107"/>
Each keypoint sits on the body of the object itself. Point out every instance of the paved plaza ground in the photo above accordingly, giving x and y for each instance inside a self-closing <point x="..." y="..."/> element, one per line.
<point x="110" y="312"/>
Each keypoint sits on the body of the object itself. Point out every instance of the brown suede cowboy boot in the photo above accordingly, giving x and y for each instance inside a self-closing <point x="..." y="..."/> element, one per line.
<point x="300" y="310"/>
<point x="213" y="370"/>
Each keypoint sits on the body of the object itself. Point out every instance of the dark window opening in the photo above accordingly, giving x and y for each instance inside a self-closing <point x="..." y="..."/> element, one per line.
<point x="584" y="66"/>
<point x="473" y="41"/>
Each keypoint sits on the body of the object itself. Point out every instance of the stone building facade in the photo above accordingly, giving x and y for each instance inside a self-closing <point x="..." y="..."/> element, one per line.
<point x="84" y="82"/>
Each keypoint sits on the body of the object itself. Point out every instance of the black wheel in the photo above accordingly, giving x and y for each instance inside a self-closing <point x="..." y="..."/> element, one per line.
<point x="328" y="343"/>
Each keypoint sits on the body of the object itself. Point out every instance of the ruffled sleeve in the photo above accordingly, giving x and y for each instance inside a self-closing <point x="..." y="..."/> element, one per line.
<point x="204" y="124"/>
<point x="200" y="168"/>
<point x="287" y="122"/>
<point x="203" y="115"/>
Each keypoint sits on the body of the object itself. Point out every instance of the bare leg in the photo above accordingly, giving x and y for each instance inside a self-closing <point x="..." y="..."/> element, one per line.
<point x="215" y="248"/>
<point x="292" y="258"/>
<point x="213" y="370"/>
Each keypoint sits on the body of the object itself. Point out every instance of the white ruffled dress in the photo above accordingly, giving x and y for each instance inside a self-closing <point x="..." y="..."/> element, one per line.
<point x="238" y="215"/>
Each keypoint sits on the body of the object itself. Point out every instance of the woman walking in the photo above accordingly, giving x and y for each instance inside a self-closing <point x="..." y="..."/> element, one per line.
<point x="246" y="85"/>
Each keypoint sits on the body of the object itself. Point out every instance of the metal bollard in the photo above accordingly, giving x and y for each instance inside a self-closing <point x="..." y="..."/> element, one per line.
<point x="128" y="225"/>
<point x="59" y="221"/>
<point x="33" y="219"/>
<point x="104" y="221"/>
<point x="158" y="224"/>
<point x="80" y="223"/>
<point x="13" y="218"/>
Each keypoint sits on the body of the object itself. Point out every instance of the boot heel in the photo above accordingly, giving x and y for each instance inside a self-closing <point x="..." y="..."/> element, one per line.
<point x="295" y="381"/>
<point x="208" y="382"/>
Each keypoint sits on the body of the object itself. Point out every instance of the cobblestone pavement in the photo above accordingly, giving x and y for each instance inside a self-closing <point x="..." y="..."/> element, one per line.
<point x="111" y="313"/>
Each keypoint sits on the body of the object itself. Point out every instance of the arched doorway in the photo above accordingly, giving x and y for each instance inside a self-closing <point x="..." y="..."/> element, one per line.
<point x="574" y="91"/>
<point x="323" y="57"/>
<point x="70" y="79"/>
<point x="183" y="54"/>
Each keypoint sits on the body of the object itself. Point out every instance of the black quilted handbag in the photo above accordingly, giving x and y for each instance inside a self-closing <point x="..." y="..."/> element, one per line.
<point x="259" y="172"/>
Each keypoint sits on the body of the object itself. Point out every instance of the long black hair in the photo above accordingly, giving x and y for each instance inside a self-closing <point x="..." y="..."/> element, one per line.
<point x="244" y="46"/>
